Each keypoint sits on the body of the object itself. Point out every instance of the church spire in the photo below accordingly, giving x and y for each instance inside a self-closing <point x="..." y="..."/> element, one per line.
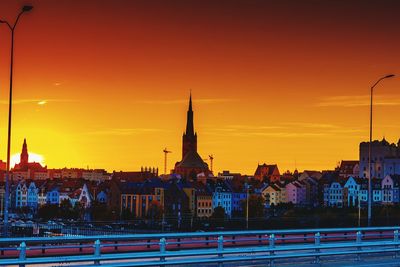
<point x="189" y="123"/>
<point x="190" y="101"/>
<point x="24" y="159"/>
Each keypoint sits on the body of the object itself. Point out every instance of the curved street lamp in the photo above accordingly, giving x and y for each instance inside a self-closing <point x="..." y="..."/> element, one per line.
<point x="369" y="150"/>
<point x="7" y="189"/>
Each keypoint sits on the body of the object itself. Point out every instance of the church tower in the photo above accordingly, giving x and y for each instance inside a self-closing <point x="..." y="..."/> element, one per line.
<point x="24" y="158"/>
<point x="191" y="164"/>
<point x="189" y="139"/>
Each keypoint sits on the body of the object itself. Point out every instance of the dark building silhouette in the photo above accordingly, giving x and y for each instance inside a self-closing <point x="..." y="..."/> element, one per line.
<point x="25" y="169"/>
<point x="24" y="157"/>
<point x="269" y="173"/>
<point x="385" y="159"/>
<point x="191" y="163"/>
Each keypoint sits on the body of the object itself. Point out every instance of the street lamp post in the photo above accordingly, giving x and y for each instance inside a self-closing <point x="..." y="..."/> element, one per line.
<point x="369" y="150"/>
<point x="7" y="185"/>
<point x="359" y="207"/>
<point x="247" y="206"/>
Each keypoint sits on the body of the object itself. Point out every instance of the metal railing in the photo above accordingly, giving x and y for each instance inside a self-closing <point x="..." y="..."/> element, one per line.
<point x="204" y="248"/>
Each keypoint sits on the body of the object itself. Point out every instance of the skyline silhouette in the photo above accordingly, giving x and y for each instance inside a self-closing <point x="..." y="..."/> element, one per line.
<point x="273" y="81"/>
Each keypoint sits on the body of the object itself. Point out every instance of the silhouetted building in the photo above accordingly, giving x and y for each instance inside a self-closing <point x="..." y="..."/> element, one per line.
<point x="28" y="170"/>
<point x="268" y="173"/>
<point x="385" y="159"/>
<point x="349" y="168"/>
<point x="191" y="164"/>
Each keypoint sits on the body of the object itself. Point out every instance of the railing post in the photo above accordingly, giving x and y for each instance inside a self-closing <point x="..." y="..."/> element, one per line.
<point x="163" y="245"/>
<point x="358" y="241"/>
<point x="271" y="247"/>
<point x="220" y="249"/>
<point x="260" y="239"/>
<point x="80" y="247"/>
<point x="207" y="241"/>
<point x="358" y="237"/>
<point x="317" y="243"/>
<point x="148" y="243"/>
<point x="233" y="240"/>
<point x="179" y="242"/>
<point x="43" y="248"/>
<point x="396" y="241"/>
<point x="97" y="251"/>
<point x="116" y="245"/>
<point x="22" y="254"/>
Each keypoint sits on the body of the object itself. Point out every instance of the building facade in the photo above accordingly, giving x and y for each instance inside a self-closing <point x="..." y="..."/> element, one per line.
<point x="385" y="159"/>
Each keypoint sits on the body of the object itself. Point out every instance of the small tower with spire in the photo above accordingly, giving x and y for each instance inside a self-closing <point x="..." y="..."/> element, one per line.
<point x="24" y="158"/>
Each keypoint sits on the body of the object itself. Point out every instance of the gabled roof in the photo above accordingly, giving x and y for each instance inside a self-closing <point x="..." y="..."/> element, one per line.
<point x="312" y="173"/>
<point x="269" y="167"/>
<point x="350" y="163"/>
<point x="220" y="185"/>
<point x="329" y="176"/>
<point x="34" y="166"/>
<point x="275" y="187"/>
<point x="237" y="184"/>
<point x="310" y="180"/>
<point x="192" y="160"/>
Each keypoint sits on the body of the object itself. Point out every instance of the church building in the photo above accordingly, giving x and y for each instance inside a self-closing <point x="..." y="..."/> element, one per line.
<point x="191" y="164"/>
<point x="28" y="170"/>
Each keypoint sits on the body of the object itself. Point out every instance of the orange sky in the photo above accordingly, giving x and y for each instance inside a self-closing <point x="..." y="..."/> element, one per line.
<point x="283" y="82"/>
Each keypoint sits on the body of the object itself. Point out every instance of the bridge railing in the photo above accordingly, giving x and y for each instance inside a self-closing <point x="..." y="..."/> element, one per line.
<point x="270" y="251"/>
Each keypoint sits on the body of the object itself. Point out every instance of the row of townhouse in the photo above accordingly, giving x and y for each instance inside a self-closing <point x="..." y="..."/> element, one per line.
<point x="332" y="189"/>
<point x="35" y="172"/>
<point x="354" y="191"/>
<point x="203" y="197"/>
<point x="33" y="194"/>
<point x="137" y="193"/>
<point x="298" y="192"/>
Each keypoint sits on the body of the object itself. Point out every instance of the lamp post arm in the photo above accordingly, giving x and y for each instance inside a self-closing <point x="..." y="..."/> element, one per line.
<point x="8" y="24"/>
<point x="16" y="21"/>
<point x="375" y="84"/>
<point x="382" y="78"/>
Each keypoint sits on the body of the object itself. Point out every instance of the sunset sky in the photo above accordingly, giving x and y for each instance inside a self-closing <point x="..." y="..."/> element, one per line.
<point x="105" y="84"/>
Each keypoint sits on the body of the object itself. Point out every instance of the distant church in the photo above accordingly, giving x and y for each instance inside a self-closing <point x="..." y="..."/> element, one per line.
<point x="191" y="164"/>
<point x="28" y="170"/>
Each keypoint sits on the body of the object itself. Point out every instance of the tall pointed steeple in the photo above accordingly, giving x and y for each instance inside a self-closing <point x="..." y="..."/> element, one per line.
<point x="189" y="137"/>
<point x="24" y="158"/>
<point x="189" y="122"/>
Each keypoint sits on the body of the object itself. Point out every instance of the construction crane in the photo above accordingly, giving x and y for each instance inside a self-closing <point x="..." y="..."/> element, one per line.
<point x="211" y="161"/>
<point x="166" y="151"/>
